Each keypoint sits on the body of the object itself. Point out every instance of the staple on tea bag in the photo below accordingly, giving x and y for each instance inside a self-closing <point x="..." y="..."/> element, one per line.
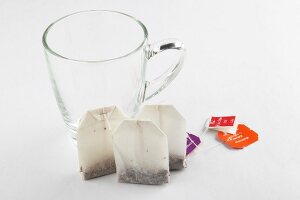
<point x="170" y="121"/>
<point x="94" y="141"/>
<point x="141" y="153"/>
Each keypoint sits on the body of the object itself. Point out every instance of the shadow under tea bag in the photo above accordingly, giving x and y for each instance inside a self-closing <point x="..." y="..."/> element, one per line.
<point x="94" y="141"/>
<point x="141" y="153"/>
<point x="170" y="121"/>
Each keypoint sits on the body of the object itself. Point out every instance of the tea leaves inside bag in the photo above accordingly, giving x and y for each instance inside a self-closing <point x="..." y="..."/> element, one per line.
<point x="94" y="141"/>
<point x="171" y="122"/>
<point x="141" y="153"/>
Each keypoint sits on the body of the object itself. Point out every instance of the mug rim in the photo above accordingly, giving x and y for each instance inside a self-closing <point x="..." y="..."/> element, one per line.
<point x="50" y="50"/>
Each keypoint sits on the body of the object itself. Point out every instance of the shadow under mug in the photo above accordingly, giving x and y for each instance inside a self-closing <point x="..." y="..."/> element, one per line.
<point x="99" y="58"/>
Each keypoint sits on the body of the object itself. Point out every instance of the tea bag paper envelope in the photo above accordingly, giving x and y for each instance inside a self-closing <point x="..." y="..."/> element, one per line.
<point x="141" y="153"/>
<point x="94" y="141"/>
<point x="170" y="121"/>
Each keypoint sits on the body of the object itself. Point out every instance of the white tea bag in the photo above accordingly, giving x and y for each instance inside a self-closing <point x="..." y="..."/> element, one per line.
<point x="170" y="121"/>
<point x="141" y="153"/>
<point x="94" y="141"/>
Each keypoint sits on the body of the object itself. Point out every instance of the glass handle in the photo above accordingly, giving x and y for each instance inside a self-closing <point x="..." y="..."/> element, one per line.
<point x="170" y="74"/>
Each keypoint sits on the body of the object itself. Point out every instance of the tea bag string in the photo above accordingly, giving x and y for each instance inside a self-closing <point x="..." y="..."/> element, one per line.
<point x="158" y="115"/>
<point x="106" y="122"/>
<point x="204" y="134"/>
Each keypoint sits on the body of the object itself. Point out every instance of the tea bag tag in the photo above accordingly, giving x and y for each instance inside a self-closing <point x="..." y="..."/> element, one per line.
<point x="230" y="132"/>
<point x="192" y="143"/>
<point x="226" y="124"/>
<point x="244" y="136"/>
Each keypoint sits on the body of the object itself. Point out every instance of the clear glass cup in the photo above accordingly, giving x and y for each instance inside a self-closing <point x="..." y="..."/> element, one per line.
<point x="99" y="58"/>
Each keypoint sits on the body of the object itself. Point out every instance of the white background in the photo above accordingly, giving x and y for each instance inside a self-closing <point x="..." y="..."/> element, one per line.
<point x="243" y="58"/>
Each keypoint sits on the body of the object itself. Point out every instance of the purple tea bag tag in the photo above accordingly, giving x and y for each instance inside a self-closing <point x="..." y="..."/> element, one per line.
<point x="192" y="142"/>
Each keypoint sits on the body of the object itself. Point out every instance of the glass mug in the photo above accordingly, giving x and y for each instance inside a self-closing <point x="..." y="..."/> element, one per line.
<point x="99" y="58"/>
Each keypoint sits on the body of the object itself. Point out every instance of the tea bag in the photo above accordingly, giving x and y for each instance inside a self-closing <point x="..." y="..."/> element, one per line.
<point x="141" y="153"/>
<point x="170" y="121"/>
<point x="94" y="141"/>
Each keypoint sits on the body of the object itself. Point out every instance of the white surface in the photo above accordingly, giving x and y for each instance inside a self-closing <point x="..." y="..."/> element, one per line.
<point x="243" y="58"/>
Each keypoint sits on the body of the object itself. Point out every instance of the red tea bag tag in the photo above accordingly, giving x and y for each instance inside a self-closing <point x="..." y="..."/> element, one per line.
<point x="221" y="121"/>
<point x="244" y="136"/>
<point x="226" y="124"/>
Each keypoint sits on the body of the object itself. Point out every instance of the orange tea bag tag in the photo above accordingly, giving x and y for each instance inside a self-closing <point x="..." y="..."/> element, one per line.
<point x="244" y="136"/>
